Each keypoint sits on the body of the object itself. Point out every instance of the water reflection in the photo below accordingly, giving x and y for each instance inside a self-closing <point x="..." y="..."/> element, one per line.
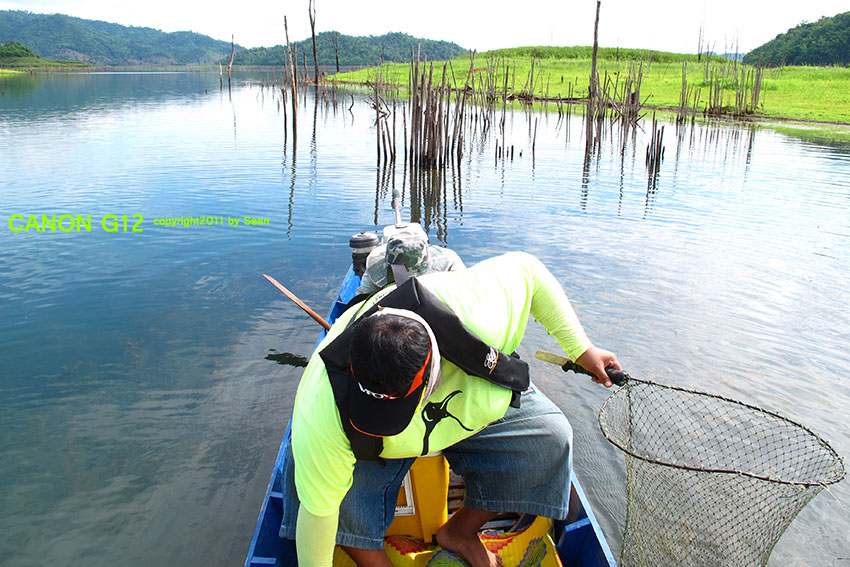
<point x="287" y="358"/>
<point x="435" y="192"/>
<point x="87" y="92"/>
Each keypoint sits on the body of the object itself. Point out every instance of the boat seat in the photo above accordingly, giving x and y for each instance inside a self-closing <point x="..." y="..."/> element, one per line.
<point x="422" y="505"/>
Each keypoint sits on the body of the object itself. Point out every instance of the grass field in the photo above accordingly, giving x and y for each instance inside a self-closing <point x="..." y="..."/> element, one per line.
<point x="819" y="94"/>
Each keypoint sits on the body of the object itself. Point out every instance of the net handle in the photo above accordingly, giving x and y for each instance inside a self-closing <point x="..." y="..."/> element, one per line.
<point x="618" y="377"/>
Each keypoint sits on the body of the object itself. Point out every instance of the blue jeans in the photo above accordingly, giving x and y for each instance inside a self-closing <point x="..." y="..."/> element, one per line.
<point x="519" y="463"/>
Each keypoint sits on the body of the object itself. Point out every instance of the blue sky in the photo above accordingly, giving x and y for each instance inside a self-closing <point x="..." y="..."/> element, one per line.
<point x="668" y="25"/>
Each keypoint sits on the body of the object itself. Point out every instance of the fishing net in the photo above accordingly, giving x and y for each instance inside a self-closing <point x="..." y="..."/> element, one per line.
<point x="711" y="481"/>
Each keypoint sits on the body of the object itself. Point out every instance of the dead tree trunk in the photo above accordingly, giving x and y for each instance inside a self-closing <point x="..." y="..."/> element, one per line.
<point x="593" y="89"/>
<point x="312" y="10"/>
<point x="230" y="65"/>
<point x="336" y="49"/>
<point x="295" y="60"/>
<point x="293" y="75"/>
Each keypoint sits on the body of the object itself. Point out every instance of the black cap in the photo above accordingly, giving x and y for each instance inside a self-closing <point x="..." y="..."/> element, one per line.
<point x="383" y="414"/>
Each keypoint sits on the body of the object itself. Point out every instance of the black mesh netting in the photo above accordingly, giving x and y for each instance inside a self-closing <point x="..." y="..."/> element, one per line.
<point x="711" y="481"/>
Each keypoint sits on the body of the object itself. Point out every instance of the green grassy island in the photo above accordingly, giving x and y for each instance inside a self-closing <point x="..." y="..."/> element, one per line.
<point x="709" y="84"/>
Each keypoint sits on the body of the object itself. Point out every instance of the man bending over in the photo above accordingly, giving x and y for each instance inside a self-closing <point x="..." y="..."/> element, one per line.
<point x="423" y="366"/>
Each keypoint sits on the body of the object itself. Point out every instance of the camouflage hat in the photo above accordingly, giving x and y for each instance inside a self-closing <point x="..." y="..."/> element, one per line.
<point x="408" y="246"/>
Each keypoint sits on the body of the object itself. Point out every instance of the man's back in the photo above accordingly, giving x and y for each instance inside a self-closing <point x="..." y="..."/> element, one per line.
<point x="493" y="299"/>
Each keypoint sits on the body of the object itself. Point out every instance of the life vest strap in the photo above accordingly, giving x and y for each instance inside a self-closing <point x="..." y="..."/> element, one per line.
<point x="457" y="344"/>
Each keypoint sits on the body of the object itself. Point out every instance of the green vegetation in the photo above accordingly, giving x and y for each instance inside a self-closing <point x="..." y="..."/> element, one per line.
<point x="808" y="93"/>
<point x="353" y="51"/>
<point x="559" y="73"/>
<point x="825" y="42"/>
<point x="797" y="93"/>
<point x="100" y="43"/>
<point x="15" y="49"/>
<point x="13" y="55"/>
<point x="580" y="52"/>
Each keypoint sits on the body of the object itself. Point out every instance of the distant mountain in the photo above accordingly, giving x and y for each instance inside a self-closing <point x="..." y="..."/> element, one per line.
<point x="370" y="50"/>
<point x="732" y="56"/>
<point x="825" y="42"/>
<point x="57" y="36"/>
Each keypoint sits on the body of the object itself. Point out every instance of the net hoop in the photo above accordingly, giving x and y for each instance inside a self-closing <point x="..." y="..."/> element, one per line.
<point x="838" y="460"/>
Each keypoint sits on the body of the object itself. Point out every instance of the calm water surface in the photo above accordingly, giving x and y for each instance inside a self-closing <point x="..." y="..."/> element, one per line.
<point x="142" y="400"/>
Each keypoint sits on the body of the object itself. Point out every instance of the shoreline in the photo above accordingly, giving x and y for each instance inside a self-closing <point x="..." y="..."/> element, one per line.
<point x="834" y="130"/>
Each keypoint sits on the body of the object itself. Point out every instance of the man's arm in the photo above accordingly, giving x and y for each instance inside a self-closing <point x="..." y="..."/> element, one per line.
<point x="551" y="307"/>
<point x="323" y="462"/>
<point x="495" y="297"/>
<point x="315" y="537"/>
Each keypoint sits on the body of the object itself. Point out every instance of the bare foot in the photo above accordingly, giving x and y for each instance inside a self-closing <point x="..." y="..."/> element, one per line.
<point x="469" y="547"/>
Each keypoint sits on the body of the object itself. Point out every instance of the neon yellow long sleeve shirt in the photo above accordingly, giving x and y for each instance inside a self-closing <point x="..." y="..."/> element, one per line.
<point x="493" y="299"/>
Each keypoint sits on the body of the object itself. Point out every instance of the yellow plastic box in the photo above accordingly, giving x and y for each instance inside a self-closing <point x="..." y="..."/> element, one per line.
<point x="422" y="501"/>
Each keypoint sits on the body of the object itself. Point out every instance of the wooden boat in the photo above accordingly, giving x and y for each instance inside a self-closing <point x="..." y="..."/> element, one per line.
<point x="579" y="540"/>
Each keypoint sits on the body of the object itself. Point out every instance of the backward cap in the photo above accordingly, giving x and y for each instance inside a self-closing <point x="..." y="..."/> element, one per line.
<point x="409" y="247"/>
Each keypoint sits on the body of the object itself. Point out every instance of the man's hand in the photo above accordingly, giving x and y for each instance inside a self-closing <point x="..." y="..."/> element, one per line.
<point x="597" y="360"/>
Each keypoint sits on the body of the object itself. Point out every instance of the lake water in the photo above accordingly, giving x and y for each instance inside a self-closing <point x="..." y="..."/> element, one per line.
<point x="144" y="383"/>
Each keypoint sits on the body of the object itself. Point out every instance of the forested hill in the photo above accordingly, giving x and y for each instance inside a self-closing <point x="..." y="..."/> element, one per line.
<point x="56" y="36"/>
<point x="824" y="42"/>
<point x="370" y="50"/>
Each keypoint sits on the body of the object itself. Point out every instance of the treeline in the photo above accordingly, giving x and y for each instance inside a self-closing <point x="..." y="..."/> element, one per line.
<point x="353" y="51"/>
<point x="57" y="36"/>
<point x="15" y="56"/>
<point x="15" y="49"/>
<point x="825" y="42"/>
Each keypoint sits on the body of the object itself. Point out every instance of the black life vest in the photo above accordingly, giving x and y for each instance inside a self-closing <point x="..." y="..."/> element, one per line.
<point x="457" y="344"/>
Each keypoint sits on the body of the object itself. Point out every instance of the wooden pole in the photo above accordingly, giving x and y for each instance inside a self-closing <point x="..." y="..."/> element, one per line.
<point x="318" y="318"/>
